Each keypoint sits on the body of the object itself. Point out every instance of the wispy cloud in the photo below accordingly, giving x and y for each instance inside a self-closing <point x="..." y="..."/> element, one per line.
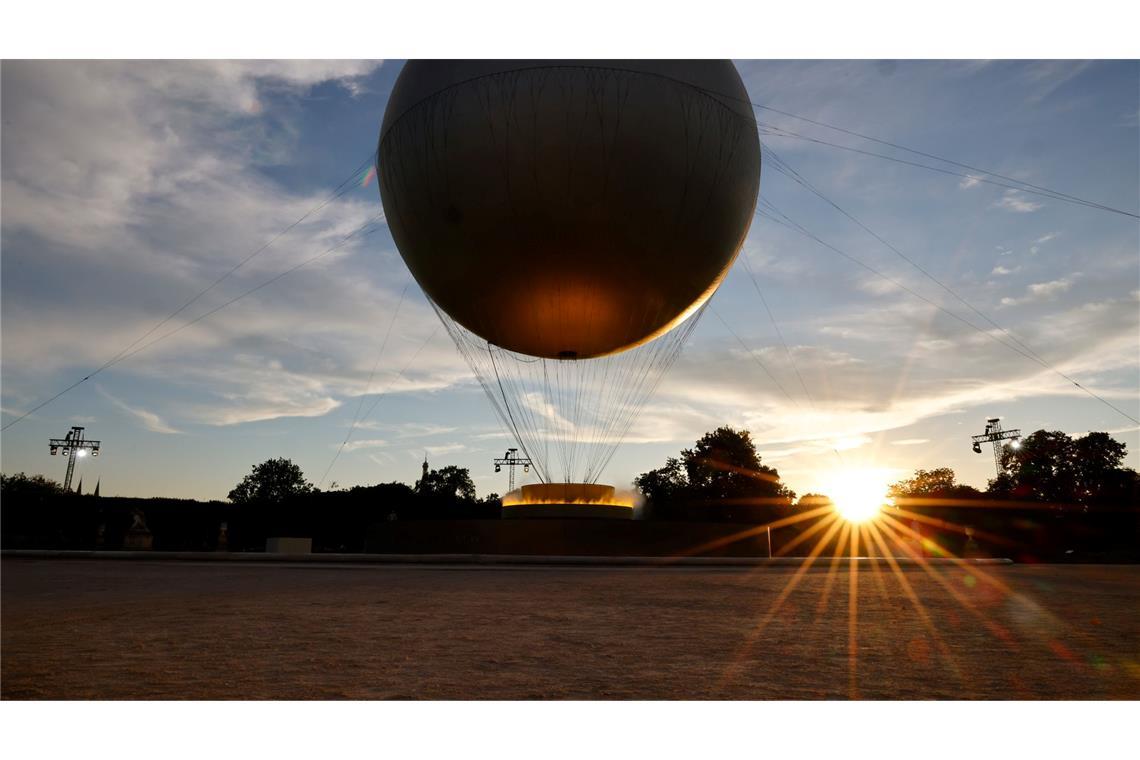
<point x="1041" y="291"/>
<point x="850" y="442"/>
<point x="1046" y="77"/>
<point x="152" y="184"/>
<point x="365" y="443"/>
<point x="1015" y="201"/>
<point x="1036" y="247"/>
<point x="410" y="429"/>
<point x="447" y="448"/>
<point x="149" y="420"/>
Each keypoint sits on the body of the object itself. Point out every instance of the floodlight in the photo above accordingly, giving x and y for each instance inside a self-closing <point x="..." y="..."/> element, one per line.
<point x="81" y="453"/>
<point x="54" y="450"/>
<point x="1015" y="444"/>
<point x="977" y="448"/>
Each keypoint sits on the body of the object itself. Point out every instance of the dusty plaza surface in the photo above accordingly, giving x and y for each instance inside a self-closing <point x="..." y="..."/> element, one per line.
<point x="75" y="629"/>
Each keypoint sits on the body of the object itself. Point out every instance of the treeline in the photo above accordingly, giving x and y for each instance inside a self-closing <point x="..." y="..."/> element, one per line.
<point x="1058" y="498"/>
<point x="274" y="500"/>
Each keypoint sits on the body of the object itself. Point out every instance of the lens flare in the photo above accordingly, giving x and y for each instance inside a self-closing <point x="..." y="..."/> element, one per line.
<point x="858" y="495"/>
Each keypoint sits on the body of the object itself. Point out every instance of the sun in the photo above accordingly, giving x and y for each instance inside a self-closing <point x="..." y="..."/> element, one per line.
<point x="858" y="494"/>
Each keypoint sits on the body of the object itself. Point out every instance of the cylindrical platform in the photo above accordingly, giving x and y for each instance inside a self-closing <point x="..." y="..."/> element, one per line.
<point x="567" y="500"/>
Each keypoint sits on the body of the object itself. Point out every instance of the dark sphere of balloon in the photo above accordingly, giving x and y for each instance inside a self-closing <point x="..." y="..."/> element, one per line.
<point x="569" y="209"/>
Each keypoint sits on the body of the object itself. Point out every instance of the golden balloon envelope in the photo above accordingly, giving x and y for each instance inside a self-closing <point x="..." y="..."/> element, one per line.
<point x="569" y="209"/>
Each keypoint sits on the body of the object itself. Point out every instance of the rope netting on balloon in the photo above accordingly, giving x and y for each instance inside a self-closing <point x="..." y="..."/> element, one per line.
<point x="558" y="214"/>
<point x="569" y="415"/>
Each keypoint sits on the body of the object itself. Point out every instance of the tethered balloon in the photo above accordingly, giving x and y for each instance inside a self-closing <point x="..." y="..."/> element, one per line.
<point x="564" y="217"/>
<point x="569" y="208"/>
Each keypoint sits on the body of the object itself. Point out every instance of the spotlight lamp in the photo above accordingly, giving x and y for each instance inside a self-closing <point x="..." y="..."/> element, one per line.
<point x="995" y="435"/>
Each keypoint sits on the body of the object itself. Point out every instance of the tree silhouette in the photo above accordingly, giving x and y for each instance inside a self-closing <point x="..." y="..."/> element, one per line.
<point x="938" y="483"/>
<point x="28" y="488"/>
<point x="724" y="465"/>
<point x="1054" y="467"/>
<point x="720" y="476"/>
<point x="814" y="500"/>
<point x="447" y="483"/>
<point x="273" y="481"/>
<point x="663" y="485"/>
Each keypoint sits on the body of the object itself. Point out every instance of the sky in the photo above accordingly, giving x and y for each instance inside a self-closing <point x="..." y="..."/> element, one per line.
<point x="128" y="187"/>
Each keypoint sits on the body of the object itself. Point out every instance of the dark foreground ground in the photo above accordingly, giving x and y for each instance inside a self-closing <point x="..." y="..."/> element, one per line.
<point x="170" y="630"/>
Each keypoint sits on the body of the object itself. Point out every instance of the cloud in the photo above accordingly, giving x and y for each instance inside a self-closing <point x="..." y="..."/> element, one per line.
<point x="136" y="134"/>
<point x="878" y="286"/>
<point x="493" y="435"/>
<point x="1051" y="288"/>
<point x="149" y="420"/>
<point x="1047" y="76"/>
<point x="969" y="182"/>
<point x="1041" y="291"/>
<point x="365" y="443"/>
<point x="150" y="188"/>
<point x="1000" y="270"/>
<point x="1014" y="200"/>
<point x="1036" y="247"/>
<point x="448" y="448"/>
<point x="910" y="364"/>
<point x="410" y="429"/>
<point x="850" y="442"/>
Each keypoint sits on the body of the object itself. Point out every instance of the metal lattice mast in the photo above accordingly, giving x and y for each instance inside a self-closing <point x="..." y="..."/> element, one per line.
<point x="511" y="460"/>
<point x="73" y="446"/>
<point x="995" y="435"/>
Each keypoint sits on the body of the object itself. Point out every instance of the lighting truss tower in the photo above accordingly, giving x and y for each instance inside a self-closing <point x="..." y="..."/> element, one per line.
<point x="995" y="435"/>
<point x="73" y="446"/>
<point x="511" y="460"/>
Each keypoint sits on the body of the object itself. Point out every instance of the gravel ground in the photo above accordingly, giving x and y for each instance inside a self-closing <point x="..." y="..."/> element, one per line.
<point x="102" y="629"/>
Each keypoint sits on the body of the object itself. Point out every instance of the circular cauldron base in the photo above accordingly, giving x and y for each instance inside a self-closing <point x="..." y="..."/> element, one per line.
<point x="565" y="501"/>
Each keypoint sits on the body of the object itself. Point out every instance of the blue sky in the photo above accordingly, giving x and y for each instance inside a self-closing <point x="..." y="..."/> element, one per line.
<point x="129" y="186"/>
